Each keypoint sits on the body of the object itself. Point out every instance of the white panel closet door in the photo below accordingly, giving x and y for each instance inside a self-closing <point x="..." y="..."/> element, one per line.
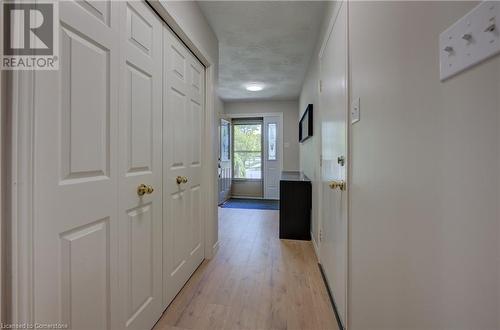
<point x="183" y="124"/>
<point x="76" y="224"/>
<point x="140" y="162"/>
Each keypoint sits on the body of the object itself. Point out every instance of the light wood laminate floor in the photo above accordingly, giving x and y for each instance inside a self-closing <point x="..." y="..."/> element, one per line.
<point x="256" y="281"/>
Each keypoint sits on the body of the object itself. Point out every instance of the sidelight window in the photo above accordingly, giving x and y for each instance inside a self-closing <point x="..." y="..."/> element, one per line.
<point x="271" y="141"/>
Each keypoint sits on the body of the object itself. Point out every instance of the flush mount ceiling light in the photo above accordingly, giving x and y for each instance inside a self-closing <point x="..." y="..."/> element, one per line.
<point x="254" y="87"/>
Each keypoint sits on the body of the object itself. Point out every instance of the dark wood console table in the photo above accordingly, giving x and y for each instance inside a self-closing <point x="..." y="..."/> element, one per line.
<point x="295" y="206"/>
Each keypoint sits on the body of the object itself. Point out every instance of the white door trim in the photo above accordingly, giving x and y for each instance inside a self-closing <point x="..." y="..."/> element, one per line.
<point x="267" y="192"/>
<point x="21" y="187"/>
<point x="254" y="114"/>
<point x="264" y="115"/>
<point x="20" y="183"/>
<point x="3" y="166"/>
<point x="331" y="23"/>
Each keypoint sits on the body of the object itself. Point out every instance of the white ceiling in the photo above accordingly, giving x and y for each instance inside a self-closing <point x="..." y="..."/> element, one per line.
<point x="267" y="42"/>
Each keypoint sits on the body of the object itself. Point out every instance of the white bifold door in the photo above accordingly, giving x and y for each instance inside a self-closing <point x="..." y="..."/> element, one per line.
<point x="115" y="236"/>
<point x="140" y="165"/>
<point x="183" y="108"/>
<point x="76" y="219"/>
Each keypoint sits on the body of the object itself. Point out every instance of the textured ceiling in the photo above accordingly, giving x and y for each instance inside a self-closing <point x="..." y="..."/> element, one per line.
<point x="266" y="42"/>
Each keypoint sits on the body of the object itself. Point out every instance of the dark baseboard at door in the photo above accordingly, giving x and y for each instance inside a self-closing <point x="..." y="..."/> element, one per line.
<point x="341" y="326"/>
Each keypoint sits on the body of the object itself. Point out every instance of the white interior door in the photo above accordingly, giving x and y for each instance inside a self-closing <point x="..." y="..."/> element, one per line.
<point x="75" y="171"/>
<point x="333" y="103"/>
<point x="273" y="156"/>
<point x="183" y="124"/>
<point x="140" y="162"/>
<point x="224" y="160"/>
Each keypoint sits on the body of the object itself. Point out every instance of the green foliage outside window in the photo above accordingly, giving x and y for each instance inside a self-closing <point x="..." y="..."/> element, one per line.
<point x="247" y="151"/>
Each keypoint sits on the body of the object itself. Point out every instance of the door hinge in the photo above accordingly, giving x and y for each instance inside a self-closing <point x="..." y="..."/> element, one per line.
<point x="320" y="235"/>
<point x="341" y="160"/>
<point x="320" y="85"/>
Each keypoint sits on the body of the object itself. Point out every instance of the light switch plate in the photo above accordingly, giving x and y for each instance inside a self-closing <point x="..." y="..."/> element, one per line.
<point x="355" y="111"/>
<point x="471" y="40"/>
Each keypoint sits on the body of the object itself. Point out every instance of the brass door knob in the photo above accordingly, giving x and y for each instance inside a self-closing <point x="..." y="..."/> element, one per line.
<point x="184" y="179"/>
<point x="178" y="179"/>
<point x="144" y="189"/>
<point x="150" y="189"/>
<point x="338" y="184"/>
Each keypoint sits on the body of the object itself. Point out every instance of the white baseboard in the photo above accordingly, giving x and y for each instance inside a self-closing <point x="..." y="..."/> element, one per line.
<point x="316" y="249"/>
<point x="215" y="248"/>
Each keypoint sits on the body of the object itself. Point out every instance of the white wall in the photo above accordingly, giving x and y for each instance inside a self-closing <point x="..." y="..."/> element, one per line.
<point x="191" y="20"/>
<point x="310" y="149"/>
<point x="219" y="107"/>
<point x="290" y="125"/>
<point x="424" y="218"/>
<point x="425" y="174"/>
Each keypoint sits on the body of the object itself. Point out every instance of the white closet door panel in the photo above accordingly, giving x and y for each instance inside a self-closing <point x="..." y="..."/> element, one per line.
<point x="197" y="109"/>
<point x="196" y="120"/>
<point x="100" y="9"/>
<point x="85" y="120"/>
<point x="85" y="258"/>
<point x="140" y="162"/>
<point x="183" y="120"/>
<point x="139" y="87"/>
<point x="75" y="226"/>
<point x="175" y="103"/>
<point x="195" y="228"/>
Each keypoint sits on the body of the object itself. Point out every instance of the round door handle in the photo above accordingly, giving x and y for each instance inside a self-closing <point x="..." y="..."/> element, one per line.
<point x="181" y="179"/>
<point x="144" y="189"/>
<point x="337" y="184"/>
<point x="150" y="189"/>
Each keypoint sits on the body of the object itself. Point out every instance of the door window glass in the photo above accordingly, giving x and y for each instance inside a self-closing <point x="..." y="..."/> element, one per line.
<point x="224" y="140"/>
<point x="247" y="161"/>
<point x="271" y="141"/>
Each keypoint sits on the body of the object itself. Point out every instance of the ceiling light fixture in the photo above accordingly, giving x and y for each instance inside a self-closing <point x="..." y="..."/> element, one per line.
<point x="254" y="88"/>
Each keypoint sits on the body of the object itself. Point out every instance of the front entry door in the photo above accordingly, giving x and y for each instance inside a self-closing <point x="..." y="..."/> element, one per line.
<point x="272" y="156"/>
<point x="333" y="102"/>
<point x="183" y="125"/>
<point x="140" y="163"/>
<point x="224" y="160"/>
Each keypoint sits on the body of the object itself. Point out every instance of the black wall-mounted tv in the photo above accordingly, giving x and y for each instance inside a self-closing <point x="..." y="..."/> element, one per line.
<point x="306" y="124"/>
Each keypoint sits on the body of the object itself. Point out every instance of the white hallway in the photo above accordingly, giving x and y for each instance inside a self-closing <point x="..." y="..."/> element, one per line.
<point x="110" y="179"/>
